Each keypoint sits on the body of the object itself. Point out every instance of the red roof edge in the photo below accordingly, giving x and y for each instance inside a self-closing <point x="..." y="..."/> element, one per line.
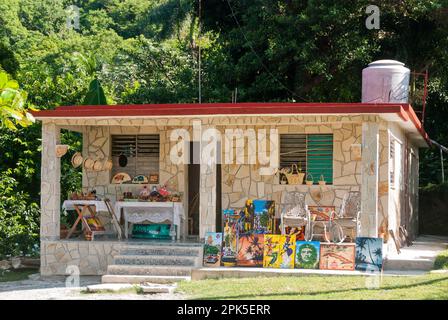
<point x="404" y="110"/>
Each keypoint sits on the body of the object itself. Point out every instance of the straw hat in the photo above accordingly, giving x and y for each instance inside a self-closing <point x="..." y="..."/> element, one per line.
<point x="108" y="165"/>
<point x="61" y="149"/>
<point x="97" y="165"/>
<point x="77" y="160"/>
<point x="88" y="164"/>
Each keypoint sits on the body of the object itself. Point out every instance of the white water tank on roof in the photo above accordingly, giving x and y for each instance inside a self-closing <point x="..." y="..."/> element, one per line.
<point x="385" y="81"/>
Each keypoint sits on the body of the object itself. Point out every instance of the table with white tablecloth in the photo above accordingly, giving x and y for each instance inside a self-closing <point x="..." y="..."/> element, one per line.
<point x="153" y="212"/>
<point x="100" y="206"/>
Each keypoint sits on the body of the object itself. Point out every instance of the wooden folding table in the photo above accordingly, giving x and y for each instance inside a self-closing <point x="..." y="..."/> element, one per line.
<point x="83" y="207"/>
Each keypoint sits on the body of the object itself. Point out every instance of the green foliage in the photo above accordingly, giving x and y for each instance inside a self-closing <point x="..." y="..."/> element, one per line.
<point x="12" y="104"/>
<point x="19" y="227"/>
<point x="441" y="261"/>
<point x="95" y="95"/>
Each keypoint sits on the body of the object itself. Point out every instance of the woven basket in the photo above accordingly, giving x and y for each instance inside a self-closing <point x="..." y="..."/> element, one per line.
<point x="309" y="182"/>
<point x="294" y="177"/>
<point x="322" y="180"/>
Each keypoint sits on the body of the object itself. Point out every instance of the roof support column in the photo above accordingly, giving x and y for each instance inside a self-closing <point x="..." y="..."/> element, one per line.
<point x="369" y="179"/>
<point x="208" y="137"/>
<point x="50" y="202"/>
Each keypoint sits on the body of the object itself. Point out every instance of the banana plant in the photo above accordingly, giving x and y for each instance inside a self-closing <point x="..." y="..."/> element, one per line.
<point x="13" y="111"/>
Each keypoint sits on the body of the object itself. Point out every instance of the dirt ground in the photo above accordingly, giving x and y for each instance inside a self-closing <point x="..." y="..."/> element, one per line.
<point x="54" y="288"/>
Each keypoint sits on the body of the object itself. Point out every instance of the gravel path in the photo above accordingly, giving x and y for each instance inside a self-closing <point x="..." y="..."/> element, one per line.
<point x="54" y="288"/>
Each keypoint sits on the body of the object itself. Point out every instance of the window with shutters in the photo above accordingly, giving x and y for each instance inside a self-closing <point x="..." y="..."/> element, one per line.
<point x="141" y="152"/>
<point x="313" y="153"/>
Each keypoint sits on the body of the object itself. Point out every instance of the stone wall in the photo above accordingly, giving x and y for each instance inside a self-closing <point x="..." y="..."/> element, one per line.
<point x="241" y="182"/>
<point x="91" y="257"/>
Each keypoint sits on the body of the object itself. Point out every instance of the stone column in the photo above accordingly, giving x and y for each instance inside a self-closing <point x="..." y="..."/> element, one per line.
<point x="50" y="183"/>
<point x="369" y="179"/>
<point x="207" y="183"/>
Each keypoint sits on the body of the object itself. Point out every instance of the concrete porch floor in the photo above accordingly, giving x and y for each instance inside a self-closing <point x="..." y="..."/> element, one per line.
<point x="420" y="256"/>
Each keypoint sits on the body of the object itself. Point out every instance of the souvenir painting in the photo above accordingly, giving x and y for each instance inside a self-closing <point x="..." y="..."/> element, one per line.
<point x="279" y="251"/>
<point x="264" y="216"/>
<point x="321" y="213"/>
<point x="94" y="224"/>
<point x="250" y="250"/>
<point x="212" y="249"/>
<point x="299" y="232"/>
<point x="369" y="254"/>
<point x="245" y="222"/>
<point x="337" y="256"/>
<point x="307" y="254"/>
<point x="229" y="243"/>
<point x="271" y="257"/>
<point x="140" y="179"/>
<point x="287" y="250"/>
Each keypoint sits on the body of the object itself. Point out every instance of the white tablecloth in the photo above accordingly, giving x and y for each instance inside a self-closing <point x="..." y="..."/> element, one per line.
<point x="155" y="212"/>
<point x="70" y="204"/>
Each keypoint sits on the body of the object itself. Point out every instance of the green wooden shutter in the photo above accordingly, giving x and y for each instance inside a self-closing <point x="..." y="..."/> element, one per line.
<point x="320" y="156"/>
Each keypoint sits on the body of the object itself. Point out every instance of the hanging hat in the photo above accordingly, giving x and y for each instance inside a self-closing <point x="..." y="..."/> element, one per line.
<point x="88" y="164"/>
<point x="108" y="165"/>
<point x="61" y="149"/>
<point x="98" y="165"/>
<point x="77" y="160"/>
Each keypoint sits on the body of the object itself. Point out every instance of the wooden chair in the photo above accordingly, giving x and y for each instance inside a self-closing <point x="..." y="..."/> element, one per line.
<point x="294" y="212"/>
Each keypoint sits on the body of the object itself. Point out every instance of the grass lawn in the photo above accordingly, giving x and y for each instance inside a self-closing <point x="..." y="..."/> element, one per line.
<point x="430" y="286"/>
<point x="16" y="275"/>
<point x="441" y="261"/>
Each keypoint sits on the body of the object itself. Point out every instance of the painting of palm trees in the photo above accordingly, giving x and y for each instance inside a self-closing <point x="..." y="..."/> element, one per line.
<point x="264" y="216"/>
<point x="250" y="250"/>
<point x="369" y="254"/>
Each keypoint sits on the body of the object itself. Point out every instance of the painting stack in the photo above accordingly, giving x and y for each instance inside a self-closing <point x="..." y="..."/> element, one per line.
<point x="251" y="238"/>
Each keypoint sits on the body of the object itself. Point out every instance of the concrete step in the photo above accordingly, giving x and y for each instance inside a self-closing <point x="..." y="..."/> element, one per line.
<point x="162" y="260"/>
<point x="127" y="269"/>
<point x="162" y="251"/>
<point x="153" y="288"/>
<point x="137" y="279"/>
<point x="409" y="264"/>
<point x="109" y="287"/>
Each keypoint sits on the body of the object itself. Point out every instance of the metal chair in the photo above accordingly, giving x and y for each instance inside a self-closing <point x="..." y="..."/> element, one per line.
<point x="294" y="212"/>
<point x="349" y="215"/>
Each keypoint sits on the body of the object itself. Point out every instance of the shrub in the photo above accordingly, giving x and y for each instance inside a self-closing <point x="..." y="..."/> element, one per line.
<point x="19" y="220"/>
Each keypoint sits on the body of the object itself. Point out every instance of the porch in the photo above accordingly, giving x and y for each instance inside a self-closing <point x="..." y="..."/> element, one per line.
<point x="228" y="185"/>
<point x="68" y="257"/>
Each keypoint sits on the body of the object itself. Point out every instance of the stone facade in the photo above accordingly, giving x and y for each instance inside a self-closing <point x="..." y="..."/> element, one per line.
<point x="242" y="182"/>
<point x="239" y="181"/>
<point x="50" y="183"/>
<point x="91" y="257"/>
